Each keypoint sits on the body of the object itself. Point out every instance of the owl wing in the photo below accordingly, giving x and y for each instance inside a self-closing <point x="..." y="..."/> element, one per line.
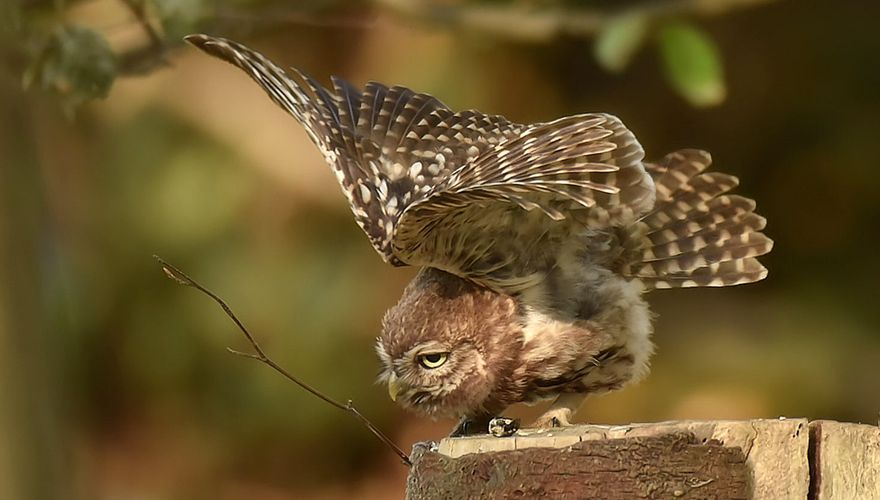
<point x="470" y="193"/>
<point x="389" y="147"/>
<point x="498" y="217"/>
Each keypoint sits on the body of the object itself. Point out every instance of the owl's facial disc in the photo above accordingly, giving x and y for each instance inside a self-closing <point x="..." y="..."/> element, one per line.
<point x="439" y="344"/>
<point x="427" y="361"/>
<point x="428" y="377"/>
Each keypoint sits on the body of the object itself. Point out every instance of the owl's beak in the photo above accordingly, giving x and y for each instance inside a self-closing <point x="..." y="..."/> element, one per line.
<point x="393" y="387"/>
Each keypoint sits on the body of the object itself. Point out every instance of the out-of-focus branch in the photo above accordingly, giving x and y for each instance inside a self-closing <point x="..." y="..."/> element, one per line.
<point x="183" y="279"/>
<point x="512" y="20"/>
<point x="225" y="18"/>
<point x="540" y="23"/>
<point x="140" y="14"/>
<point x="143" y="59"/>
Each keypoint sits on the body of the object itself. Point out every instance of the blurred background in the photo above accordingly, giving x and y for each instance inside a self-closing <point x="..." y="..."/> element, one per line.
<point x="118" y="142"/>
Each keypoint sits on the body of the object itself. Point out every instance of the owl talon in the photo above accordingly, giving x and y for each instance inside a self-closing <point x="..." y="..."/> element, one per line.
<point x="471" y="426"/>
<point x="551" y="422"/>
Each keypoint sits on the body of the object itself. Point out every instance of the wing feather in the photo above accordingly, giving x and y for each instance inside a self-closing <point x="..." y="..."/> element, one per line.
<point x="366" y="135"/>
<point x="573" y="171"/>
<point x="462" y="191"/>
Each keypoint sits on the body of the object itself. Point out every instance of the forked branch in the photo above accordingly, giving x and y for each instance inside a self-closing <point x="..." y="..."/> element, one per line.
<point x="183" y="279"/>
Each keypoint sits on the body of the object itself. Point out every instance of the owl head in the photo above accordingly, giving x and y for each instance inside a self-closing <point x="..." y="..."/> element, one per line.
<point x="447" y="345"/>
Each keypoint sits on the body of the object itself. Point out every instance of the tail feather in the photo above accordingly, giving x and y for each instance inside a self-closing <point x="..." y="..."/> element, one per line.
<point x="697" y="235"/>
<point x="674" y="170"/>
<point x="702" y="237"/>
<point x="690" y="198"/>
<point x="728" y="273"/>
<point x="736" y="248"/>
<point x="721" y="210"/>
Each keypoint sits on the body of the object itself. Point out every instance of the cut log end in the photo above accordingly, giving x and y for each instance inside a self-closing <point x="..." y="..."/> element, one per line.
<point x="784" y="458"/>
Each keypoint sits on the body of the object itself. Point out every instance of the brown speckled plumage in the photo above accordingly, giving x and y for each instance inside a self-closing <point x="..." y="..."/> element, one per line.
<point x="439" y="309"/>
<point x="536" y="241"/>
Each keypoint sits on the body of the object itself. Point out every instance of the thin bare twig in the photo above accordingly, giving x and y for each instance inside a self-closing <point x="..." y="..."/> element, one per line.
<point x="183" y="279"/>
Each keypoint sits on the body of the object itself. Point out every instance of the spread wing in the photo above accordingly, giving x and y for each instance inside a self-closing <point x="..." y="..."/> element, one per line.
<point x="503" y="216"/>
<point x="388" y="146"/>
<point x="473" y="194"/>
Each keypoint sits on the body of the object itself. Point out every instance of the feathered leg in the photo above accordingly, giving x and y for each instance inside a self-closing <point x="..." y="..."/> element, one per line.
<point x="560" y="412"/>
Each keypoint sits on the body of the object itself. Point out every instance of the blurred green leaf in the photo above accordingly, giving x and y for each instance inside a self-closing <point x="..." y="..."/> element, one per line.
<point x="619" y="40"/>
<point x="692" y="64"/>
<point x="179" y="17"/>
<point x="76" y="63"/>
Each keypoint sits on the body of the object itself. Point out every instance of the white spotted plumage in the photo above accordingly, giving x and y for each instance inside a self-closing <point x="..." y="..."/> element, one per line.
<point x="536" y="241"/>
<point x="406" y="162"/>
<point x="463" y="191"/>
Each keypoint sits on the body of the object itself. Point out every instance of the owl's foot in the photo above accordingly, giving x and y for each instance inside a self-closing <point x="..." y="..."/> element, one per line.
<point x="560" y="412"/>
<point x="472" y="426"/>
<point x="503" y="426"/>
<point x="553" y="419"/>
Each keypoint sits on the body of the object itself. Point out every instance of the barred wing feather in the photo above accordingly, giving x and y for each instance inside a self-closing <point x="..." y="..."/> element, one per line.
<point x="387" y="146"/>
<point x="573" y="172"/>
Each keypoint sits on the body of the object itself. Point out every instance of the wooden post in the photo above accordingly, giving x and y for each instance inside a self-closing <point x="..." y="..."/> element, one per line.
<point x="772" y="459"/>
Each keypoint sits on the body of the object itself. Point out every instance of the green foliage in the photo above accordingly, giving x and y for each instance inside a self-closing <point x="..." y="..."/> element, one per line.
<point x="178" y="18"/>
<point x="692" y="64"/>
<point x="619" y="40"/>
<point x="74" y="62"/>
<point x="77" y="64"/>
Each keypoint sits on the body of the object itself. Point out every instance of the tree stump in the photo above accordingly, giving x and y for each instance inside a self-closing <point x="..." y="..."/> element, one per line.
<point x="773" y="459"/>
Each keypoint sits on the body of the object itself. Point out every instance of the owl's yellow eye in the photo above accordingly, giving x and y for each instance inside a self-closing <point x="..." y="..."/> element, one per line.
<point x="433" y="360"/>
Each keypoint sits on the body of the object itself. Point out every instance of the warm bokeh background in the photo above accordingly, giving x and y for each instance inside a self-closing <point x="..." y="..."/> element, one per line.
<point x="115" y="383"/>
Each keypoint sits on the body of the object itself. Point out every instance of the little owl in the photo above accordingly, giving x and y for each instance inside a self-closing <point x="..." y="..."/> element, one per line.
<point x="535" y="242"/>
